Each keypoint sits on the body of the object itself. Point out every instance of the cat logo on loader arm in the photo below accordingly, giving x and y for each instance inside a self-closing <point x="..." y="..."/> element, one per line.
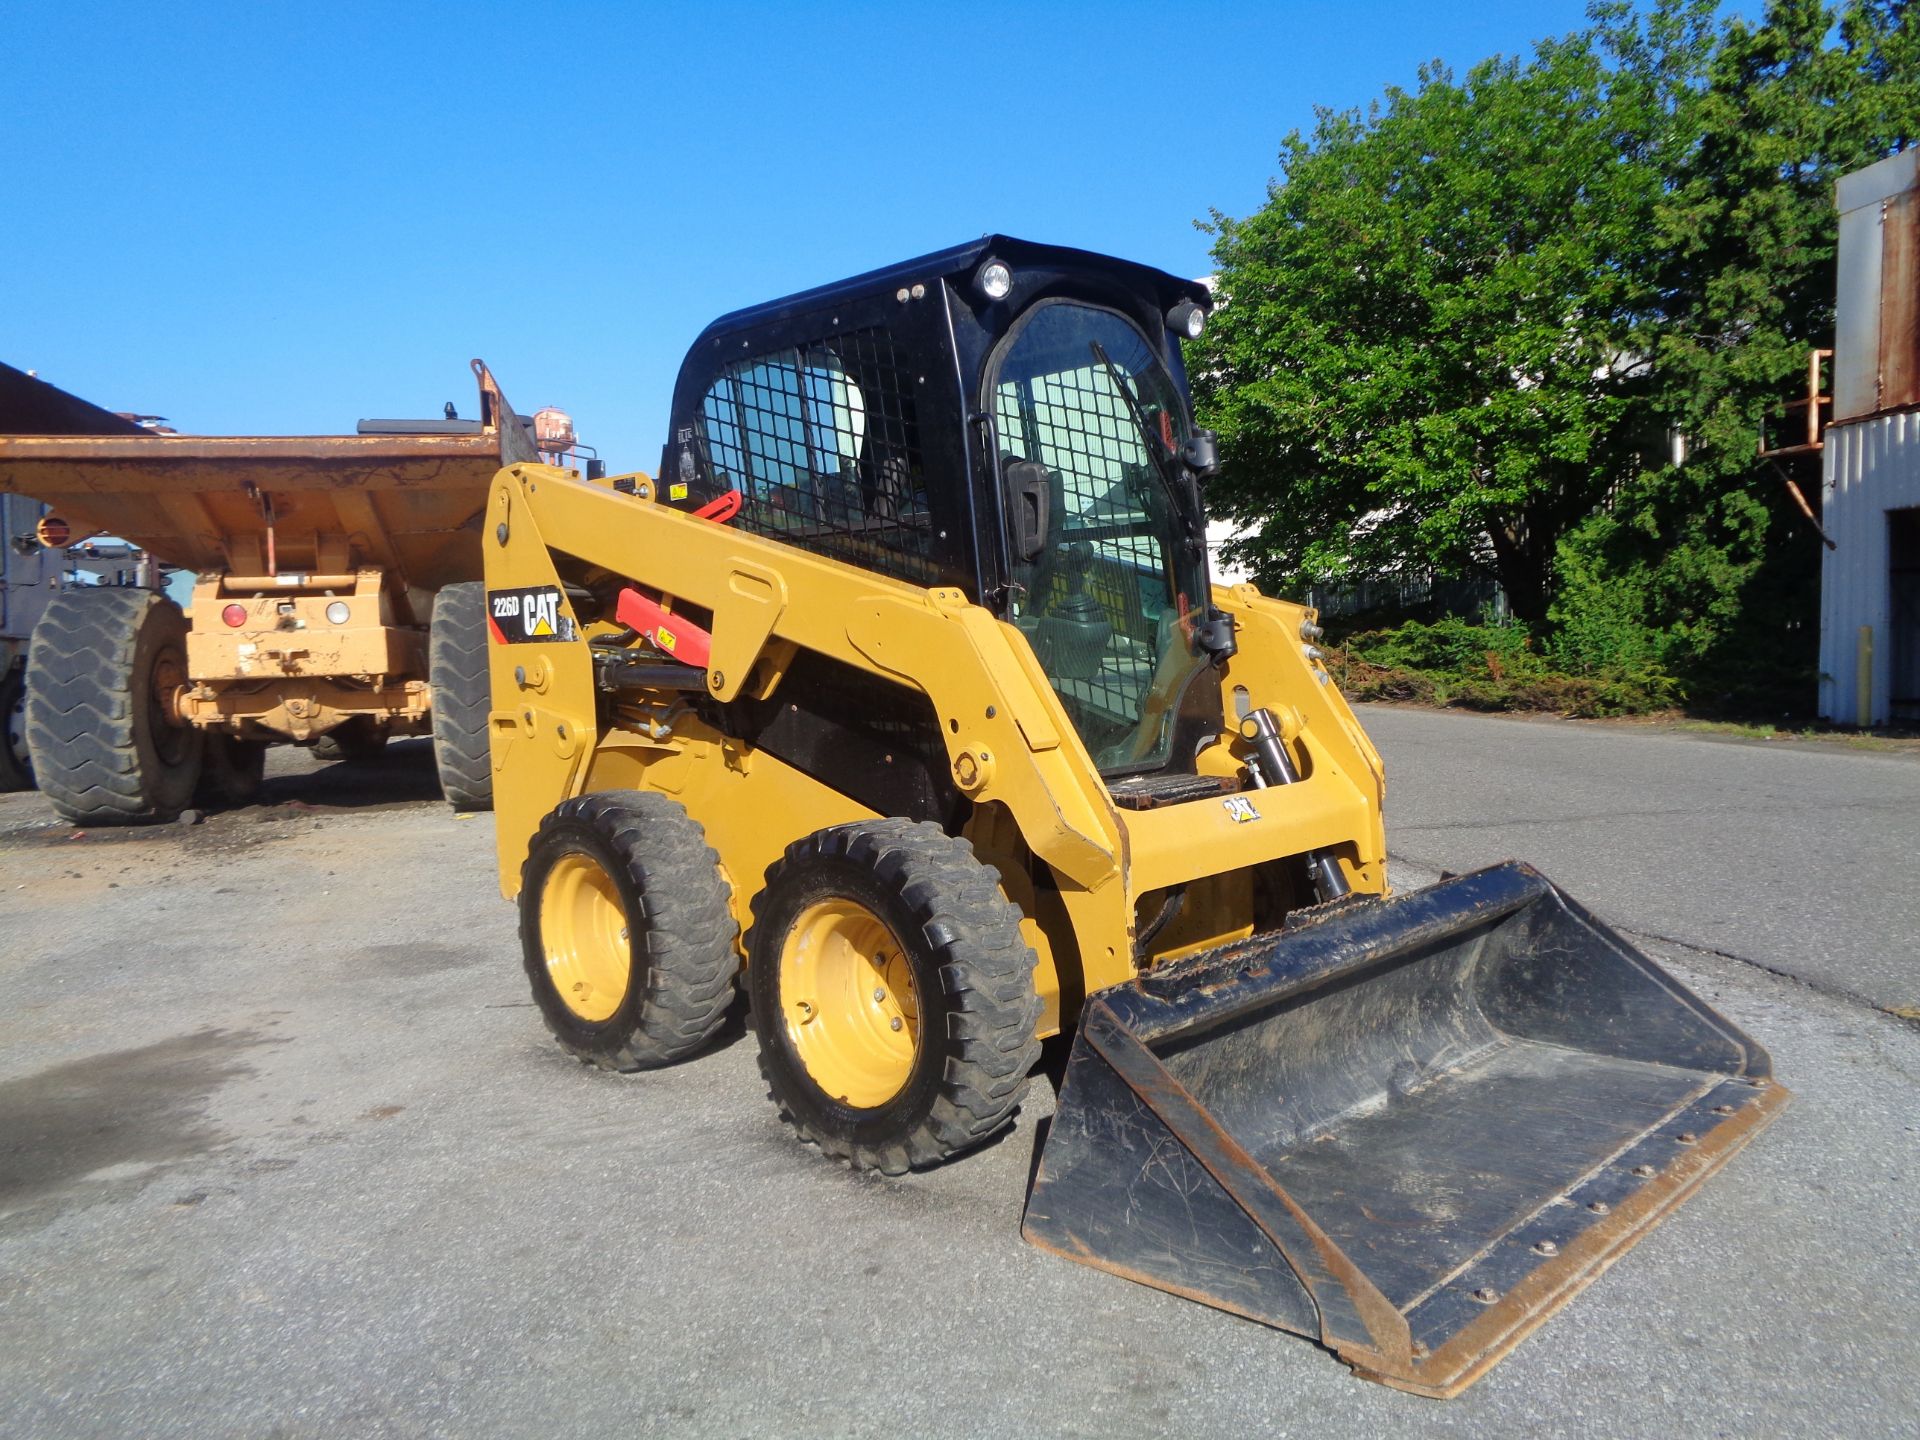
<point x="942" y="760"/>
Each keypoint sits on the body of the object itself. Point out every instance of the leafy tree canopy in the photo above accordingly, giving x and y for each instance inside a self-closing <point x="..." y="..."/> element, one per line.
<point x="1460" y="332"/>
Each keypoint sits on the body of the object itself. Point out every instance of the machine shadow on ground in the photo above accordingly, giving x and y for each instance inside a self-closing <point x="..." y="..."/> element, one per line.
<point x="403" y="774"/>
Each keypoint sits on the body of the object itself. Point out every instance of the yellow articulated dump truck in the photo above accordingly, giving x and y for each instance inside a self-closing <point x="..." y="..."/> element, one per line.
<point x="337" y="599"/>
<point x="901" y="697"/>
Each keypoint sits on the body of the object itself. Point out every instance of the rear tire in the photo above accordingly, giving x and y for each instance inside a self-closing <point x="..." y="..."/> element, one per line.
<point x="942" y="954"/>
<point x="457" y="675"/>
<point x="359" y="739"/>
<point x="626" y="931"/>
<point x="16" y="765"/>
<point x="231" y="772"/>
<point x="99" y="673"/>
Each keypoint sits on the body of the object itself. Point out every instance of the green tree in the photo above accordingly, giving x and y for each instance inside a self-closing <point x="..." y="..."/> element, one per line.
<point x="1707" y="568"/>
<point x="1463" y="328"/>
<point x="1428" y="352"/>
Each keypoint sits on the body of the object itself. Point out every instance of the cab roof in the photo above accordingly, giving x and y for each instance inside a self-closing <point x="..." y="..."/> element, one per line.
<point x="957" y="263"/>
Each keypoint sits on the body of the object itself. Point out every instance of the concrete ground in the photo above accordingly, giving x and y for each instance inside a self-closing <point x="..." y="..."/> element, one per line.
<point x="285" y="1151"/>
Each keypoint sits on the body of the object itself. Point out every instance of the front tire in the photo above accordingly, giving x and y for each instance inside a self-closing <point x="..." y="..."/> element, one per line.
<point x="457" y="677"/>
<point x="892" y="994"/>
<point x="626" y="931"/>
<point x="101" y="672"/>
<point x="359" y="739"/>
<point x="232" y="771"/>
<point x="16" y="765"/>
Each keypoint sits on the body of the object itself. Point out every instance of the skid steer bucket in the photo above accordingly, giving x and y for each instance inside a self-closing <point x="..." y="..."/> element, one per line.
<point x="1411" y="1128"/>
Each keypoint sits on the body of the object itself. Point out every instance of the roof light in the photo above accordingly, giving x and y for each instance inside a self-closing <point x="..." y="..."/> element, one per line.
<point x="1187" y="320"/>
<point x="995" y="280"/>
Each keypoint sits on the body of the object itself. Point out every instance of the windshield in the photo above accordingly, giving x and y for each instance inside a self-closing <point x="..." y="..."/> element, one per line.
<point x="1111" y="599"/>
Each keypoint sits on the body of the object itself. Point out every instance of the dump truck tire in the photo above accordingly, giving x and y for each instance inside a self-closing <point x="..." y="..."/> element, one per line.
<point x="231" y="772"/>
<point x="894" y="940"/>
<point x="104" y="751"/>
<point x="457" y="673"/>
<point x="359" y="739"/>
<point x="626" y="930"/>
<point x="16" y="766"/>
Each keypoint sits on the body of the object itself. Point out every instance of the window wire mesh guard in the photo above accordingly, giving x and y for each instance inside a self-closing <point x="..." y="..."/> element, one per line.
<point x="1105" y="555"/>
<point x="823" y="444"/>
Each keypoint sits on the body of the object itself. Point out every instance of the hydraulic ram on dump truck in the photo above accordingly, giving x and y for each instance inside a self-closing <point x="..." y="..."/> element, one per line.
<point x="904" y="685"/>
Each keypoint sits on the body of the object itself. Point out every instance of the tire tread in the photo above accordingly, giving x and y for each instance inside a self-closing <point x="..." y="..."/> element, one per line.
<point x="462" y="696"/>
<point x="80" y="722"/>
<point x="686" y="909"/>
<point x="986" y="968"/>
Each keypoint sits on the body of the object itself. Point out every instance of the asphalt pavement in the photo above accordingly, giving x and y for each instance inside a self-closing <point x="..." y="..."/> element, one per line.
<point x="284" y="1151"/>
<point x="1800" y="856"/>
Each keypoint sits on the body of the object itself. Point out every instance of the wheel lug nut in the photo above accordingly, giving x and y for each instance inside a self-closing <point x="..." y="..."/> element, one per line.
<point x="895" y="1022"/>
<point x="878" y="993"/>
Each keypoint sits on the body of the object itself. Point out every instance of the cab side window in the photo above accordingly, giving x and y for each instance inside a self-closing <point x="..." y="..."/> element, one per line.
<point x="822" y="441"/>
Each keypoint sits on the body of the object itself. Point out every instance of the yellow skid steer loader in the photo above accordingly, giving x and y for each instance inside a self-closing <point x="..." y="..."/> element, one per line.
<point x="904" y="686"/>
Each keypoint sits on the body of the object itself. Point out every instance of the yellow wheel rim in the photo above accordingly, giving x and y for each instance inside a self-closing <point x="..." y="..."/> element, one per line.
<point x="583" y="929"/>
<point x="850" y="1004"/>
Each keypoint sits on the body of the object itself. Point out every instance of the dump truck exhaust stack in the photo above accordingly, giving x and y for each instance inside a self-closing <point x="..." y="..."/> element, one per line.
<point x="1411" y="1128"/>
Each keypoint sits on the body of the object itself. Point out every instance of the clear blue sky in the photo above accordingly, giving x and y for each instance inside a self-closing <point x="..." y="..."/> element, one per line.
<point x="281" y="218"/>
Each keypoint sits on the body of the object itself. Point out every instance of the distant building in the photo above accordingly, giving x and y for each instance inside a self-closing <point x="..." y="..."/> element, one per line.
<point x="1870" y="462"/>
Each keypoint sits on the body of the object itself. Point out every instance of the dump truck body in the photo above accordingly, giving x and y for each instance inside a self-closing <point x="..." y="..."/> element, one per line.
<point x="903" y="683"/>
<point x="317" y="558"/>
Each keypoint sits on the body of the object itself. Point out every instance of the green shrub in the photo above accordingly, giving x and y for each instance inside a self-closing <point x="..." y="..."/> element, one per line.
<point x="1490" y="667"/>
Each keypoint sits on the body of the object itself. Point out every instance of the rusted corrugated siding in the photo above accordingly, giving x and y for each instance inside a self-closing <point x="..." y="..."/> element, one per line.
<point x="1870" y="467"/>
<point x="1876" y="363"/>
<point x="1900" y="301"/>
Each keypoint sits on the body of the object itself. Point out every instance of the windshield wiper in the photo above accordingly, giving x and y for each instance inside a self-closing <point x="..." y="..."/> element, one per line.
<point x="1154" y="446"/>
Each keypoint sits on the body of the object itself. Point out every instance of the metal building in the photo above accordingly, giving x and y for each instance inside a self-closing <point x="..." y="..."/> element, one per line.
<point x="1870" y="584"/>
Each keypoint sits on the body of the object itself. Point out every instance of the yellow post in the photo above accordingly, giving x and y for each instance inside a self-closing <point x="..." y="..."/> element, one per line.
<point x="1863" y="680"/>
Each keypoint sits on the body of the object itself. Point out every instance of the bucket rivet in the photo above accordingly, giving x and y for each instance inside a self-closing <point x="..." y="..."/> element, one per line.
<point x="1644" y="1171"/>
<point x="1546" y="1247"/>
<point x="1486" y="1295"/>
<point x="1686" y="1137"/>
<point x="1723" y="1109"/>
<point x="1598" y="1207"/>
